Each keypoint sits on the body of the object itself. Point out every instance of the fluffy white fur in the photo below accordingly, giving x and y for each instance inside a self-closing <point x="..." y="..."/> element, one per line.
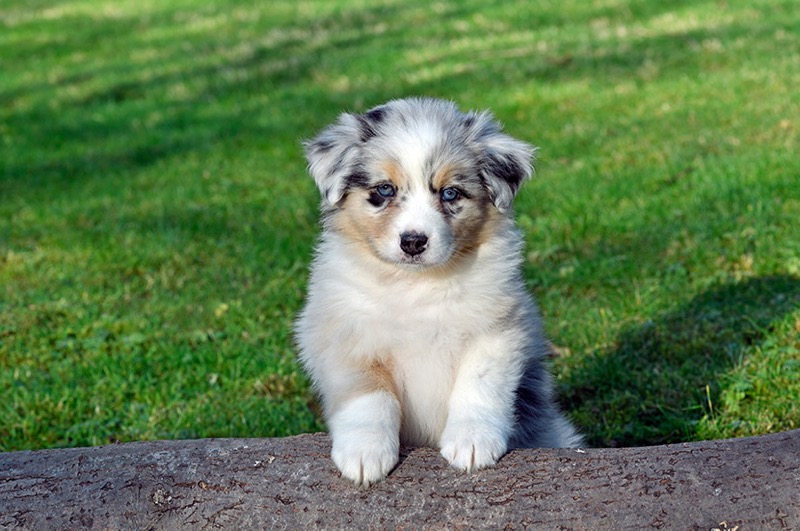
<point x="365" y="436"/>
<point x="440" y="345"/>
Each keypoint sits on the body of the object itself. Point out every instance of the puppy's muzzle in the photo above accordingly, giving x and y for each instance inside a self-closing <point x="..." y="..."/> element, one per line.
<point x="413" y="243"/>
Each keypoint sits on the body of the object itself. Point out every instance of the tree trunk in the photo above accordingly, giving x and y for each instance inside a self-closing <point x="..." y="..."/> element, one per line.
<point x="751" y="483"/>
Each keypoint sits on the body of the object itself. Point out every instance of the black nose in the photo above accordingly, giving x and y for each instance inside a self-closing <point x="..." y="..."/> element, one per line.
<point x="413" y="243"/>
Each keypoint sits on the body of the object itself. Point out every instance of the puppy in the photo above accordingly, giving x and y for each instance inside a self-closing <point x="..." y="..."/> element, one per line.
<point x="417" y="328"/>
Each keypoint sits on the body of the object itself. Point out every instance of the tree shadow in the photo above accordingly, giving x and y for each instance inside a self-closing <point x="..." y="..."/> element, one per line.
<point x="124" y="120"/>
<point x="650" y="387"/>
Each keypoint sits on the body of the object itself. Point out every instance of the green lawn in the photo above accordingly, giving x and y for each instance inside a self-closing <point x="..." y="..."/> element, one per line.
<point x="156" y="221"/>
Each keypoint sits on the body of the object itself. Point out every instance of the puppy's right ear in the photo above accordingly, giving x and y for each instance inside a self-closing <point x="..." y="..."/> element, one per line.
<point x="333" y="155"/>
<point x="505" y="161"/>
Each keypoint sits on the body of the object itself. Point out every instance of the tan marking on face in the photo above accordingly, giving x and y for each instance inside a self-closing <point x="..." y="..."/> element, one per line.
<point x="444" y="176"/>
<point x="359" y="221"/>
<point x="347" y="220"/>
<point x="472" y="226"/>
<point x="372" y="229"/>
<point x="469" y="223"/>
<point x="489" y="225"/>
<point x="394" y="172"/>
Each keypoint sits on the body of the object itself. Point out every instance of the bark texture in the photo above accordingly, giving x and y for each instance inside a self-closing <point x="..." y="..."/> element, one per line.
<point x="751" y="483"/>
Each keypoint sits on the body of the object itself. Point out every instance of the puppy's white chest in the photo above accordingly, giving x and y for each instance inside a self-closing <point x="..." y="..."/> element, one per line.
<point x="428" y="343"/>
<point x="425" y="383"/>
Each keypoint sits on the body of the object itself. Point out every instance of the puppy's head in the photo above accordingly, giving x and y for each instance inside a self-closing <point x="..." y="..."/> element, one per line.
<point x="416" y="182"/>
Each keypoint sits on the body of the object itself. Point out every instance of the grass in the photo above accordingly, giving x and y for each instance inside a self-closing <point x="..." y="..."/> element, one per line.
<point x="156" y="221"/>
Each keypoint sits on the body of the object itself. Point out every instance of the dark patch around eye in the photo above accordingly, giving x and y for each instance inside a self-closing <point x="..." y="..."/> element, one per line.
<point x="376" y="199"/>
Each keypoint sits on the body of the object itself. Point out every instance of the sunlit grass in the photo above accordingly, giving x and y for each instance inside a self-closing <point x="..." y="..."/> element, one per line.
<point x="156" y="221"/>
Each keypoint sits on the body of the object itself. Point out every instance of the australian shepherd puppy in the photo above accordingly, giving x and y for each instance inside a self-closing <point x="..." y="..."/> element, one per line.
<point x="418" y="328"/>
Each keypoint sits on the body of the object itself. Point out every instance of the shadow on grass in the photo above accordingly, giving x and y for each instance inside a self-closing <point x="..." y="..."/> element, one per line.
<point x="650" y="387"/>
<point x="115" y="115"/>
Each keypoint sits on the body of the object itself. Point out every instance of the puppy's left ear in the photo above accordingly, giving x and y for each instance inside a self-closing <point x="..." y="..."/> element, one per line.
<point x="505" y="162"/>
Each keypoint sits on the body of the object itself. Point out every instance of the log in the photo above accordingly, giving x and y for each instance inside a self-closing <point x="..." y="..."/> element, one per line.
<point x="751" y="483"/>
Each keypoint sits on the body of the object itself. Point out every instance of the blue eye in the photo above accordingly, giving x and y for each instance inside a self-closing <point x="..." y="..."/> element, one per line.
<point x="449" y="194"/>
<point x="386" y="190"/>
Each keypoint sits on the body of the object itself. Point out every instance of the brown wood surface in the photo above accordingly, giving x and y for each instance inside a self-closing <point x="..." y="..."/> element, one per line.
<point x="751" y="483"/>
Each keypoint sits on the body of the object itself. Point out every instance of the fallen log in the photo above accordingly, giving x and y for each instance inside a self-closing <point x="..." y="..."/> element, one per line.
<point x="751" y="483"/>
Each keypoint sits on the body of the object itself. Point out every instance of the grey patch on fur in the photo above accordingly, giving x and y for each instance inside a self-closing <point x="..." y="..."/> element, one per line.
<point x="539" y="423"/>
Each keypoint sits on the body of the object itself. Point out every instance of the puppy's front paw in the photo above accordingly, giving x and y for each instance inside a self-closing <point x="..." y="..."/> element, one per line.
<point x="366" y="437"/>
<point x="364" y="456"/>
<point x="471" y="446"/>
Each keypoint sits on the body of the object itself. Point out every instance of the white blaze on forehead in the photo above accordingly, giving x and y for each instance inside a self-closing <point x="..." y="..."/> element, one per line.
<point x="412" y="147"/>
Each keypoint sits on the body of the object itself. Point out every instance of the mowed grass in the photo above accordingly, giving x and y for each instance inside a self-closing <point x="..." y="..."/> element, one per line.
<point x="156" y="221"/>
